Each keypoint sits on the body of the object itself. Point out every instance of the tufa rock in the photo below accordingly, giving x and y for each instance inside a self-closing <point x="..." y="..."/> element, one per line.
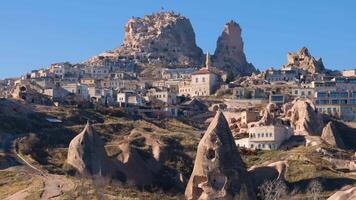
<point x="331" y="136"/>
<point x="344" y="194"/>
<point x="303" y="60"/>
<point x="86" y="153"/>
<point x="219" y="172"/>
<point x="163" y="38"/>
<point x="229" y="53"/>
<point x="270" y="172"/>
<point x="134" y="167"/>
<point x="305" y="118"/>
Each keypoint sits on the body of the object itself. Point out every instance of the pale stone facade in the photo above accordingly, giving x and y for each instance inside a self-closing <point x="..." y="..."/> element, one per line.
<point x="204" y="82"/>
<point x="265" y="137"/>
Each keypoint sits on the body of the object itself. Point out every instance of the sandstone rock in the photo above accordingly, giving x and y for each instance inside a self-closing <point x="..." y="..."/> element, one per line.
<point x="134" y="167"/>
<point x="268" y="114"/>
<point x="229" y="54"/>
<point x="163" y="38"/>
<point x="219" y="172"/>
<point x="347" y="194"/>
<point x="273" y="171"/>
<point x="303" y="60"/>
<point x="141" y="159"/>
<point x="331" y="136"/>
<point x="86" y="153"/>
<point x="304" y="118"/>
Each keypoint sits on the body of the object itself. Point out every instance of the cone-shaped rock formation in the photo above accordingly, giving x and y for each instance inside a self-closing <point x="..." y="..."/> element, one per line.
<point x="331" y="136"/>
<point x="219" y="172"/>
<point x="87" y="154"/>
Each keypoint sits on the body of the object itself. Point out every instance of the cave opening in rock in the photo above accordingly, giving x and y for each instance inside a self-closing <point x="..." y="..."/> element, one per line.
<point x="210" y="154"/>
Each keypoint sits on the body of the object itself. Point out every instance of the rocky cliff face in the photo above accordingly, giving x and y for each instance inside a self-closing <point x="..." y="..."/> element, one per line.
<point x="162" y="38"/>
<point x="219" y="172"/>
<point x="304" y="118"/>
<point x="303" y="60"/>
<point x="229" y="54"/>
<point x="331" y="136"/>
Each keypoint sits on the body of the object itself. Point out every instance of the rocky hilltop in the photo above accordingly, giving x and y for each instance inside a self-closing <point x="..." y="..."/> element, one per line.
<point x="168" y="39"/>
<point x="303" y="60"/>
<point x="163" y="38"/>
<point x="229" y="53"/>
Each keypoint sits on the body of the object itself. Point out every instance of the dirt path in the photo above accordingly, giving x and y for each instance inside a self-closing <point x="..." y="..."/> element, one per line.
<point x="54" y="185"/>
<point x="22" y="194"/>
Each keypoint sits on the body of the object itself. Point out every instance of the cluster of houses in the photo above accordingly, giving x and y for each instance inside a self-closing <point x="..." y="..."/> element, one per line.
<point x="176" y="91"/>
<point x="67" y="84"/>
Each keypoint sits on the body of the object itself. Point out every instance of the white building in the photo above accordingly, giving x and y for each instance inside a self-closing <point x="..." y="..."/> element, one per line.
<point x="265" y="137"/>
<point x="127" y="98"/>
<point x="60" y="69"/>
<point x="78" y="89"/>
<point x="164" y="96"/>
<point x="349" y="73"/>
<point x="97" y="72"/>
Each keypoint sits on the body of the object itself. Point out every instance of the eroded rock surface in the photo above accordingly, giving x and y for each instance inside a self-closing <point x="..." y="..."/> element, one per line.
<point x="229" y="53"/>
<point x="219" y="172"/>
<point x="86" y="153"/>
<point x="331" y="136"/>
<point x="304" y="118"/>
<point x="347" y="194"/>
<point x="163" y="38"/>
<point x="303" y="60"/>
<point x="272" y="171"/>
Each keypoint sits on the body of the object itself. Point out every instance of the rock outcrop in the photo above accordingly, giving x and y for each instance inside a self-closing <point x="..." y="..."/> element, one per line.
<point x="303" y="60"/>
<point x="304" y="118"/>
<point x="229" y="53"/>
<point x="163" y="38"/>
<point x="219" y="172"/>
<point x="331" y="136"/>
<point x="273" y="171"/>
<point x="86" y="153"/>
<point x="134" y="167"/>
<point x="346" y="194"/>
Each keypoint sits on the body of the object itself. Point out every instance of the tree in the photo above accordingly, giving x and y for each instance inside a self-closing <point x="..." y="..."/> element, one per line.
<point x="272" y="190"/>
<point x="230" y="76"/>
<point x="314" y="190"/>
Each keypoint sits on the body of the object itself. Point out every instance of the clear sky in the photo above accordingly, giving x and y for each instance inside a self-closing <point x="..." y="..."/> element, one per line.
<point x="36" y="33"/>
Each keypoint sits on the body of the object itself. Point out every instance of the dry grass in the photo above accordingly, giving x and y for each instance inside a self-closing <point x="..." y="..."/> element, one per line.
<point x="12" y="182"/>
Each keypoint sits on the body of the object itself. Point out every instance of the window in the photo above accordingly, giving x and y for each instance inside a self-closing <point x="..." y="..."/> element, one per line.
<point x="203" y="79"/>
<point x="196" y="80"/>
<point x="262" y="134"/>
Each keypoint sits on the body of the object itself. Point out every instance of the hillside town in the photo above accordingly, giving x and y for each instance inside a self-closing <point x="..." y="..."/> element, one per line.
<point x="157" y="78"/>
<point x="250" y="99"/>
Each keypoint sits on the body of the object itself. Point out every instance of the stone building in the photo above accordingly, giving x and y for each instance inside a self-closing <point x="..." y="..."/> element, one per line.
<point x="204" y="82"/>
<point x="337" y="97"/>
<point x="265" y="137"/>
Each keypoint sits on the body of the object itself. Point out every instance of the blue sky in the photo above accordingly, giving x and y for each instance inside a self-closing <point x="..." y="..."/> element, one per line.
<point x="36" y="33"/>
